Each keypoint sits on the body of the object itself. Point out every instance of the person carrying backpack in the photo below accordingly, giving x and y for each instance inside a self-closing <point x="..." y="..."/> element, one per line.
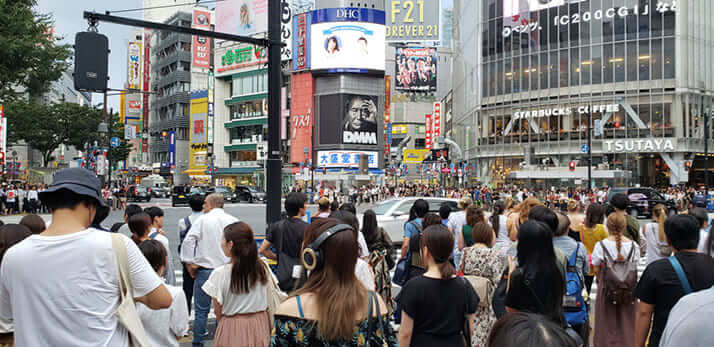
<point x="615" y="260"/>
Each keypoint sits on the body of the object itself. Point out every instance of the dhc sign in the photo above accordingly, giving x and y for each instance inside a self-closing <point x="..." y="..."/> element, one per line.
<point x="638" y="145"/>
<point x="348" y="13"/>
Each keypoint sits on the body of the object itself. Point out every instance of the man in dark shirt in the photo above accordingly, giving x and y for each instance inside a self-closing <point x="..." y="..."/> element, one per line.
<point x="287" y="236"/>
<point x="659" y="288"/>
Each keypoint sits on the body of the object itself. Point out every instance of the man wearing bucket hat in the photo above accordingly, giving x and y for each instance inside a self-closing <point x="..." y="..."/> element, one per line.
<point x="70" y="271"/>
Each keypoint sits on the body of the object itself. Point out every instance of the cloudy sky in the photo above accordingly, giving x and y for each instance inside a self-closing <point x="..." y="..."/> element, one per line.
<point x="68" y="21"/>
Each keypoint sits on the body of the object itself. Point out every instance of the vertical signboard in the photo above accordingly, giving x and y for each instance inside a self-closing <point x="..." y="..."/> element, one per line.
<point x="301" y="118"/>
<point x="427" y="138"/>
<point x="286" y="29"/>
<point x="436" y="128"/>
<point x="387" y="114"/>
<point x="210" y="107"/>
<point x="134" y="66"/>
<point x="172" y="149"/>
<point x="3" y="131"/>
<point x="201" y="47"/>
<point x="147" y="69"/>
<point x="301" y="38"/>
<point x="198" y="150"/>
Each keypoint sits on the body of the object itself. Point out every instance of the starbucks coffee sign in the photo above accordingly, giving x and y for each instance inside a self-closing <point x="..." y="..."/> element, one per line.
<point x="638" y="145"/>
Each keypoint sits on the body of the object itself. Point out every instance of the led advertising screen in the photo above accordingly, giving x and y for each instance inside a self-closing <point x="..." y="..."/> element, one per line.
<point x="242" y="17"/>
<point x="356" y="115"/>
<point x="415" y="69"/>
<point x="347" y="40"/>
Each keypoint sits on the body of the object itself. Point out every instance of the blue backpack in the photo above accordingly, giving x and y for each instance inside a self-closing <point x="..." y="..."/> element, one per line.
<point x="576" y="311"/>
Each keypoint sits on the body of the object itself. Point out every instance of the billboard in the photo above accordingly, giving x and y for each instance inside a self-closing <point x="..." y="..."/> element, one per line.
<point x="134" y="66"/>
<point x="413" y="20"/>
<point x="436" y="128"/>
<point x="286" y="29"/>
<point x="415" y="69"/>
<point x="198" y="150"/>
<point x="301" y="118"/>
<point x="133" y="110"/>
<point x="201" y="47"/>
<point x="415" y="156"/>
<point x="345" y="159"/>
<point x="242" y="17"/>
<point x="301" y="40"/>
<point x="357" y="116"/>
<point x="347" y="40"/>
<point x="427" y="138"/>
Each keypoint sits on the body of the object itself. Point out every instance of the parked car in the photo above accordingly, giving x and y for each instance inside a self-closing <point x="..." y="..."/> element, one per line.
<point x="393" y="214"/>
<point x="138" y="193"/>
<point x="160" y="192"/>
<point x="227" y="193"/>
<point x="642" y="201"/>
<point x="181" y="194"/>
<point x="249" y="194"/>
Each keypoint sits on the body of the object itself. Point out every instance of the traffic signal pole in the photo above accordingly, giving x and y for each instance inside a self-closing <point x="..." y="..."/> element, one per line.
<point x="590" y="149"/>
<point x="273" y="43"/>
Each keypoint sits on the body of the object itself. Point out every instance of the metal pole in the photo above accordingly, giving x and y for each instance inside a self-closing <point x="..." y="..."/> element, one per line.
<point x="109" y="153"/>
<point x="274" y="162"/>
<point x="706" y="155"/>
<point x="590" y="149"/>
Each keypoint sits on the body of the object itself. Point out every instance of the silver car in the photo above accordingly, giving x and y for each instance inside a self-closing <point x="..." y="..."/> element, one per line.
<point x="393" y="214"/>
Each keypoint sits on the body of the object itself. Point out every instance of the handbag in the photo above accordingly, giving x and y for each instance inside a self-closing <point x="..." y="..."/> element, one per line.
<point x="126" y="311"/>
<point x="401" y="271"/>
<point x="286" y="264"/>
<point x="274" y="296"/>
<point x="482" y="285"/>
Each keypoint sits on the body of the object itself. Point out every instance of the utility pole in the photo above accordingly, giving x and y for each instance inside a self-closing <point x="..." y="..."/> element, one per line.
<point x="274" y="165"/>
<point x="590" y="149"/>
<point x="706" y="156"/>
<point x="109" y="140"/>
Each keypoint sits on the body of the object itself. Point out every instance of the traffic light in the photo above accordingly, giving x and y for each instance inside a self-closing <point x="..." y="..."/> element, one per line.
<point x="91" y="61"/>
<point x="572" y="166"/>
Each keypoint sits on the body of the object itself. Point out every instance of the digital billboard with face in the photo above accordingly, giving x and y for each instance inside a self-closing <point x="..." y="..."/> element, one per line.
<point x="415" y="69"/>
<point x="356" y="115"/>
<point x="347" y="40"/>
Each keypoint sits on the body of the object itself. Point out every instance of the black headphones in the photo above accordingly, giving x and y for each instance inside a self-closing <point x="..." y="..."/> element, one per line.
<point x="312" y="257"/>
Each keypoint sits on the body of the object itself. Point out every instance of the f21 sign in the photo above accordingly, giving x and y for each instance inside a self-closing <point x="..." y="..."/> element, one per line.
<point x="518" y="20"/>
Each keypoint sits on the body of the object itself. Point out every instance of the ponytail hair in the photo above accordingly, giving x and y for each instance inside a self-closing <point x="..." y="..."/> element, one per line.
<point x="660" y="213"/>
<point x="247" y="267"/>
<point x="616" y="225"/>
<point x="498" y="208"/>
<point x="440" y="243"/>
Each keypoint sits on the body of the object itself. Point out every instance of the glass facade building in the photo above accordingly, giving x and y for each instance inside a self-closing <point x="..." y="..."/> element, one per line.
<point x="535" y="76"/>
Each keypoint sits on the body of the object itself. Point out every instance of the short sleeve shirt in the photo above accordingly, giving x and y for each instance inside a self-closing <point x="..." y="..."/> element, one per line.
<point x="660" y="286"/>
<point x="74" y="275"/>
<point x="410" y="230"/>
<point x="289" y="232"/>
<point x="437" y="322"/>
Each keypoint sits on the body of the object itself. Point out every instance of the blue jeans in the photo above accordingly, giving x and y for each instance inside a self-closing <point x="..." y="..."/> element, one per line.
<point x="202" y="305"/>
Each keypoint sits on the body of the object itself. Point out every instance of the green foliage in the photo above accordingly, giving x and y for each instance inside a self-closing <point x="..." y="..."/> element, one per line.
<point x="45" y="127"/>
<point x="120" y="153"/>
<point x="30" y="59"/>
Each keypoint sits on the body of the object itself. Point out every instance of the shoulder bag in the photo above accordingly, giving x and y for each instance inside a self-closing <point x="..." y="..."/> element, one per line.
<point x="274" y="296"/>
<point x="373" y="304"/>
<point x="286" y="263"/>
<point x="680" y="273"/>
<point x="482" y="285"/>
<point x="126" y="312"/>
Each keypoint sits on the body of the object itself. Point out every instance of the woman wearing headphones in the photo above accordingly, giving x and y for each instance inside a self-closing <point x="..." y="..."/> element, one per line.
<point x="333" y="306"/>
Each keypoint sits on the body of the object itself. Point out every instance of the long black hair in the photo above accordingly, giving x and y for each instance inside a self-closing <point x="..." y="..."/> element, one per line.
<point x="370" y="228"/>
<point x="498" y="208"/>
<point x="537" y="261"/>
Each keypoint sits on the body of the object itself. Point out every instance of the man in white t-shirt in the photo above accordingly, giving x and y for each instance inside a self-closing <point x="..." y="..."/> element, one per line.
<point x="61" y="287"/>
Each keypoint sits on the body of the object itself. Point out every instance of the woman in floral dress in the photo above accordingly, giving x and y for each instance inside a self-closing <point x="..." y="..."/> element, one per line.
<point x="482" y="260"/>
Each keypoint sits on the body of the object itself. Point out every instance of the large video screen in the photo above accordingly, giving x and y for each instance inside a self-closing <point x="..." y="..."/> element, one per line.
<point x="415" y="69"/>
<point x="356" y="116"/>
<point x="347" y="46"/>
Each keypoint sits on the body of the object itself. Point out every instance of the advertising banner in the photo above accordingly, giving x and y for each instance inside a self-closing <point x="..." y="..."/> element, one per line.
<point x="387" y="114"/>
<point x="415" y="69"/>
<point x="133" y="110"/>
<point x="301" y="40"/>
<point x="198" y="150"/>
<point x="399" y="129"/>
<point x="345" y="159"/>
<point x="201" y="48"/>
<point x="301" y="118"/>
<point x="427" y="138"/>
<point x="414" y="20"/>
<point x="415" y="156"/>
<point x="436" y="128"/>
<point x="146" y="74"/>
<point x="134" y="65"/>
<point x="347" y="40"/>
<point x="360" y="119"/>
<point x="172" y="149"/>
<point x="242" y="17"/>
<point x="286" y="29"/>
<point x="240" y="58"/>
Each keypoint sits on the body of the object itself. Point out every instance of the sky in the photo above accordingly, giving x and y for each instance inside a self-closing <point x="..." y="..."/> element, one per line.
<point x="68" y="21"/>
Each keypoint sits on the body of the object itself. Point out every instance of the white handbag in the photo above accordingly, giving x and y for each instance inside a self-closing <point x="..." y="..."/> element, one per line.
<point x="274" y="295"/>
<point x="126" y="312"/>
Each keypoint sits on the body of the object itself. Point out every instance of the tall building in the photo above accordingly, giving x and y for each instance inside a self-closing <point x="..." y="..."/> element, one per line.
<point x="532" y="77"/>
<point x="161" y="10"/>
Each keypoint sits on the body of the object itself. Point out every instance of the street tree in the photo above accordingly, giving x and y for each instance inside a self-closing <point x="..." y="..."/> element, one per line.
<point x="120" y="153"/>
<point x="45" y="127"/>
<point x="30" y="58"/>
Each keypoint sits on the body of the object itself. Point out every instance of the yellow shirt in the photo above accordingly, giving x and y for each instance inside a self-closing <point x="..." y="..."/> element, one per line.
<point x="590" y="237"/>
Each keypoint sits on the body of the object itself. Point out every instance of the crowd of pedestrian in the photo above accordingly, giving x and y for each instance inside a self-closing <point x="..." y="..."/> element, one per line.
<point x="516" y="272"/>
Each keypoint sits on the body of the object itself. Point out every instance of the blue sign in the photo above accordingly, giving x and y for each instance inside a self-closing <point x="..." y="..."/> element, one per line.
<point x="584" y="148"/>
<point x="348" y="14"/>
<point x="115" y="142"/>
<point x="172" y="149"/>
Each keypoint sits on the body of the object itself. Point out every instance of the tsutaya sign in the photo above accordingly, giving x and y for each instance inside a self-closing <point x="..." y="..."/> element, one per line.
<point x="638" y="145"/>
<point x="562" y="111"/>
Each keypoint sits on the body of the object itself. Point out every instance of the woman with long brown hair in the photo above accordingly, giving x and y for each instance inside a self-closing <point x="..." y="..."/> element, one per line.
<point x="591" y="232"/>
<point x="239" y="291"/>
<point x="332" y="308"/>
<point x="428" y="317"/>
<point x="615" y="322"/>
<point x="657" y="247"/>
<point x="519" y="215"/>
